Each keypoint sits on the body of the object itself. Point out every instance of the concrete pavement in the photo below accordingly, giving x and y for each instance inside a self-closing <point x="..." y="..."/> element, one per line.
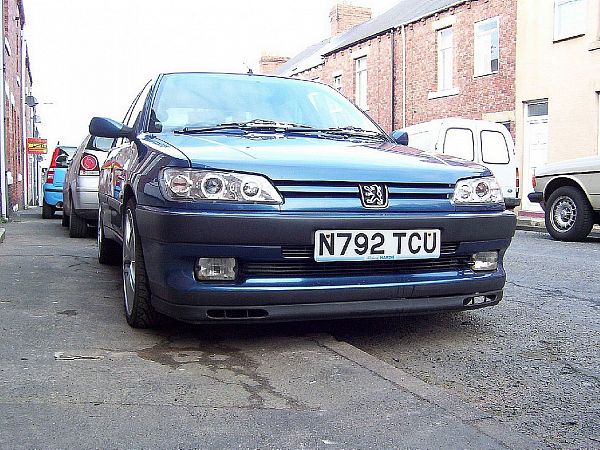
<point x="73" y="374"/>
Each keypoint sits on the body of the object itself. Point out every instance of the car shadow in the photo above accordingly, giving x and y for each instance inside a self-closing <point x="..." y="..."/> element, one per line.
<point x="429" y="327"/>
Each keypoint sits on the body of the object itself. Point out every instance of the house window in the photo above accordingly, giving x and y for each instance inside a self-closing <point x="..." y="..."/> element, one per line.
<point x="361" y="82"/>
<point x="337" y="83"/>
<point x="569" y="18"/>
<point x="445" y="59"/>
<point x="487" y="47"/>
<point x="537" y="109"/>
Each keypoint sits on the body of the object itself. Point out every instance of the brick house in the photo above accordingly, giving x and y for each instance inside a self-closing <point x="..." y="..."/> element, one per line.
<point x="419" y="61"/>
<point x="12" y="151"/>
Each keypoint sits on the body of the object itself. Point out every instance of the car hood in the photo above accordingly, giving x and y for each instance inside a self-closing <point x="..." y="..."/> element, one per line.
<point x="309" y="158"/>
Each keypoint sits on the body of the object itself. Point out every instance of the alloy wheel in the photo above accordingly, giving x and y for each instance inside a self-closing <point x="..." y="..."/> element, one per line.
<point x="129" y="261"/>
<point x="563" y="214"/>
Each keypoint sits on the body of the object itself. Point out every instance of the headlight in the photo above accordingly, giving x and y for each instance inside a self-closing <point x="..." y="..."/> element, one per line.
<point x="192" y="185"/>
<point x="477" y="190"/>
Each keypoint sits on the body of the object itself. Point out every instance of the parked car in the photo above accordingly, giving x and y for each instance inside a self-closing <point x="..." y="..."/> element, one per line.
<point x="569" y="192"/>
<point x="80" y="187"/>
<point x="256" y="198"/>
<point x="55" y="175"/>
<point x="486" y="143"/>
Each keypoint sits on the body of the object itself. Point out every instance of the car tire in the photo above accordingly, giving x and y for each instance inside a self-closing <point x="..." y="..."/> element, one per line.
<point x="78" y="227"/>
<point x="568" y="215"/>
<point x="109" y="252"/>
<point x="139" y="311"/>
<point x="47" y="210"/>
<point x="65" y="219"/>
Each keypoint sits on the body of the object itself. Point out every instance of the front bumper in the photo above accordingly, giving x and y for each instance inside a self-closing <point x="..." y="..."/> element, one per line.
<point x="536" y="197"/>
<point x="172" y="241"/>
<point x="512" y="202"/>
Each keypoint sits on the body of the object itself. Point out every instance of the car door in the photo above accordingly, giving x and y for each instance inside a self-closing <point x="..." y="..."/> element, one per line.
<point x="122" y="157"/>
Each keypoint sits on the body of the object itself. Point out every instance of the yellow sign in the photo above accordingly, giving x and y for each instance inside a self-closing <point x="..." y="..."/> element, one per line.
<point x="36" y="146"/>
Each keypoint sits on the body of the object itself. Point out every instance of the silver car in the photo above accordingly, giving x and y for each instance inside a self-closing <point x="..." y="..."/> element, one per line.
<point x="569" y="192"/>
<point x="80" y="188"/>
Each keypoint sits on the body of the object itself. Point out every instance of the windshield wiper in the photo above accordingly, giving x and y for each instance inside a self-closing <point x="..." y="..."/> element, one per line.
<point x="283" y="127"/>
<point x="255" y="125"/>
<point x="349" y="131"/>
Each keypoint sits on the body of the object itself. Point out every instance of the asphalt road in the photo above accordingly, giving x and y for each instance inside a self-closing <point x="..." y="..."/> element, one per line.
<point x="72" y="373"/>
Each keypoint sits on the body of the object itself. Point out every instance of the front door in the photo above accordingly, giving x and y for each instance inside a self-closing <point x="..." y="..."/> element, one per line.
<point x="536" y="147"/>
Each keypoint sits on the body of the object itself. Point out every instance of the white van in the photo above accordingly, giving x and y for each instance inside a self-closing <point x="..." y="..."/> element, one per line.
<point x="486" y="143"/>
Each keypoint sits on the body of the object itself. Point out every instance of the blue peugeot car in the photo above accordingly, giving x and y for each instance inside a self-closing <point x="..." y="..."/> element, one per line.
<point x="238" y="197"/>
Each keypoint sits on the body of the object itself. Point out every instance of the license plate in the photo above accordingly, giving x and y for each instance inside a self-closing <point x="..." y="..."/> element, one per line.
<point x="364" y="245"/>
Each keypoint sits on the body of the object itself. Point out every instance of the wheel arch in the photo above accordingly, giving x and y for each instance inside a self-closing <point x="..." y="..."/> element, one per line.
<point x="128" y="194"/>
<point x="561" y="181"/>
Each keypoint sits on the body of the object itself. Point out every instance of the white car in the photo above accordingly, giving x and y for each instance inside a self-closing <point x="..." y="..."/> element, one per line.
<point x="569" y="192"/>
<point x="487" y="143"/>
<point x="80" y="188"/>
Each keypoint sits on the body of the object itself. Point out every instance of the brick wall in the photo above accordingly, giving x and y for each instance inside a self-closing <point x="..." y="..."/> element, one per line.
<point x="13" y="101"/>
<point x="477" y="97"/>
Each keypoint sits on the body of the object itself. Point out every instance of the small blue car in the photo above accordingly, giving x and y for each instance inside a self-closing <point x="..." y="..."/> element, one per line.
<point x="55" y="176"/>
<point x="238" y="197"/>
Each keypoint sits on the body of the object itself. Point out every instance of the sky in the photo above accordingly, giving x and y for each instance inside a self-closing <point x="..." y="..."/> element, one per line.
<point x="91" y="57"/>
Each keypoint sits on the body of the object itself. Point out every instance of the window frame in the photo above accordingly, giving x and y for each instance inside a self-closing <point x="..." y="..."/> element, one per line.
<point x="563" y="36"/>
<point x="476" y="56"/>
<point x="361" y="100"/>
<point x="337" y="82"/>
<point x="472" y="142"/>
<point x="442" y="56"/>
<point x="505" y="144"/>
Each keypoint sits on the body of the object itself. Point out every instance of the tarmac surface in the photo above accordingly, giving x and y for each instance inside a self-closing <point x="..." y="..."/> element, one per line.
<point x="74" y="374"/>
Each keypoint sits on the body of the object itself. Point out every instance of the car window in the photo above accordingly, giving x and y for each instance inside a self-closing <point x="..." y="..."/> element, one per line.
<point x="100" y="143"/>
<point x="138" y="106"/>
<point x="459" y="142"/>
<point x="134" y="110"/>
<point x="204" y="100"/>
<point x="64" y="155"/>
<point x="494" y="149"/>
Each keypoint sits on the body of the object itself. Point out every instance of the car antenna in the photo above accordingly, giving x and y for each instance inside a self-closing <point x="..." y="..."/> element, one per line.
<point x="250" y="72"/>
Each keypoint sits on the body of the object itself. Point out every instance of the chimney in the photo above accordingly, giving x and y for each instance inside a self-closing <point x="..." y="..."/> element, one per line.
<point x="345" y="15"/>
<point x="269" y="63"/>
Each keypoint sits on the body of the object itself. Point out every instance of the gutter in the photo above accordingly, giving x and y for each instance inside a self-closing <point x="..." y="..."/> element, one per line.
<point x="3" y="185"/>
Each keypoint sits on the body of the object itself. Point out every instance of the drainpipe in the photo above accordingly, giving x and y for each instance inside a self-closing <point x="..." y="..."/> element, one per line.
<point x="403" y="76"/>
<point x="393" y="77"/>
<point x="3" y="186"/>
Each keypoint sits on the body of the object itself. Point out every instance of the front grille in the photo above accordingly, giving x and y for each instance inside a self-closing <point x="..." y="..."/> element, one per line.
<point x="341" y="189"/>
<point x="309" y="268"/>
<point x="307" y="251"/>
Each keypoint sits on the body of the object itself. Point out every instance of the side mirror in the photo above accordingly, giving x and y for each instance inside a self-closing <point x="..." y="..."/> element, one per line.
<point x="108" y="128"/>
<point x="400" y="137"/>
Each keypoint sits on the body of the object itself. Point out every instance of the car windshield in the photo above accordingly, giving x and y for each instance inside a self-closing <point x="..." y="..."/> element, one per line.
<point x="201" y="100"/>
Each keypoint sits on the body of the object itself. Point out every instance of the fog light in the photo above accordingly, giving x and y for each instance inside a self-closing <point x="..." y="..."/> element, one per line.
<point x="485" y="261"/>
<point x="216" y="269"/>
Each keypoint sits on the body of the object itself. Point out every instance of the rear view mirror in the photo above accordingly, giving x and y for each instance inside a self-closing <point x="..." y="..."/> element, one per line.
<point x="108" y="128"/>
<point x="400" y="137"/>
